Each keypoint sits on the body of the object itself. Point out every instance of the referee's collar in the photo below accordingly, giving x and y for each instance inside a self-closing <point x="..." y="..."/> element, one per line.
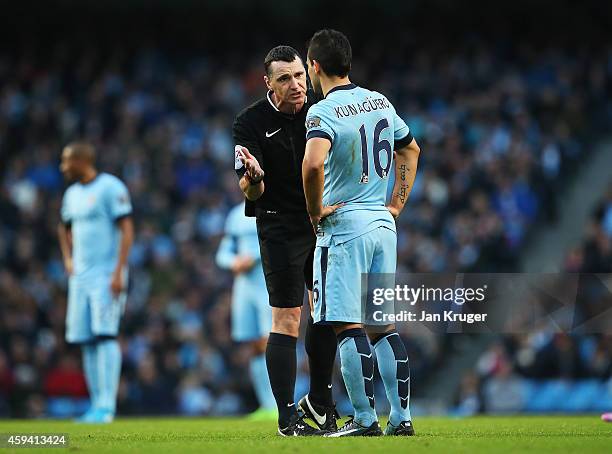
<point x="341" y="87"/>
<point x="269" y="96"/>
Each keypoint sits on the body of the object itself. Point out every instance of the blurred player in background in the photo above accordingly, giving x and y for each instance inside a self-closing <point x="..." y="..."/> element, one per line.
<point x="352" y="135"/>
<point x="251" y="313"/>
<point x="95" y="236"/>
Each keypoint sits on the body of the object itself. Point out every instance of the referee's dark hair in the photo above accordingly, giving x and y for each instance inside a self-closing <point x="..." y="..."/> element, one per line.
<point x="332" y="50"/>
<point x="280" y="53"/>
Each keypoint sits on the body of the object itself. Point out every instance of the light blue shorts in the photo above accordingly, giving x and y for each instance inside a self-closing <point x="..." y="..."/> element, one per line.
<point x="251" y="312"/>
<point x="341" y="275"/>
<point x="92" y="309"/>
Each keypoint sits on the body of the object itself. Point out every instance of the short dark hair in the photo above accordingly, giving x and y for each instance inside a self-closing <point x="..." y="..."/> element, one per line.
<point x="332" y="50"/>
<point x="82" y="149"/>
<point x="280" y="53"/>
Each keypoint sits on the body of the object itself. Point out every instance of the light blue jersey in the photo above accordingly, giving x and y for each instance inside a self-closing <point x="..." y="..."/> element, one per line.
<point x="364" y="129"/>
<point x="92" y="210"/>
<point x="94" y="313"/>
<point x="251" y="313"/>
<point x="359" y="238"/>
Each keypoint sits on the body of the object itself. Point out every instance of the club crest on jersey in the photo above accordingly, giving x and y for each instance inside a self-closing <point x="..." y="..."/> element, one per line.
<point x="312" y="122"/>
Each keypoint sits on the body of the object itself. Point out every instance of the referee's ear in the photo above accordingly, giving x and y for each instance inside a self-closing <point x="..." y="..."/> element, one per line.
<point x="267" y="81"/>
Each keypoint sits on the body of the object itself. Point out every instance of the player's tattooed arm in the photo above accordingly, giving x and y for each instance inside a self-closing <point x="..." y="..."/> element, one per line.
<point x="404" y="187"/>
<point x="406" y="160"/>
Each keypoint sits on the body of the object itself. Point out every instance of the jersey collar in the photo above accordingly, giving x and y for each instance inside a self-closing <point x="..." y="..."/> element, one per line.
<point x="341" y="87"/>
<point x="269" y="96"/>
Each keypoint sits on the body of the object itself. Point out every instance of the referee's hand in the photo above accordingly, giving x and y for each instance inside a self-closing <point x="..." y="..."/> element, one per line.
<point x="253" y="169"/>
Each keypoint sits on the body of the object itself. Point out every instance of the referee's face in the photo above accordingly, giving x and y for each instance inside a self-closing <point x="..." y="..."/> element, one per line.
<point x="288" y="82"/>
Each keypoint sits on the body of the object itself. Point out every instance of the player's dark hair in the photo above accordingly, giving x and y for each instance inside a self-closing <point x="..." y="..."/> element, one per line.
<point x="332" y="50"/>
<point x="280" y="53"/>
<point x="82" y="150"/>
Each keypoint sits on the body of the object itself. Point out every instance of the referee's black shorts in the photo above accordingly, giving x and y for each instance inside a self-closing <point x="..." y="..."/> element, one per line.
<point x="287" y="243"/>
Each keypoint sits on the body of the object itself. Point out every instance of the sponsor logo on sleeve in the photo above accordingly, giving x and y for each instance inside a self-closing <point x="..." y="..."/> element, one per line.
<point x="312" y="122"/>
<point x="237" y="155"/>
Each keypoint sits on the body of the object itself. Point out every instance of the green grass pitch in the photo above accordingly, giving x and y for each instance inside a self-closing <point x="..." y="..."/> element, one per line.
<point x="537" y="434"/>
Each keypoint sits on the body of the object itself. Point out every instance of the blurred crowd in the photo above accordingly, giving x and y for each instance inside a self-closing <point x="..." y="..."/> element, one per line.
<point x="544" y="371"/>
<point x="594" y="253"/>
<point x="501" y="129"/>
<point x="540" y="372"/>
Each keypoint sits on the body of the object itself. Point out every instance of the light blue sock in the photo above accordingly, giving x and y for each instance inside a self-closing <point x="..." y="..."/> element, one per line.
<point x="358" y="373"/>
<point x="394" y="369"/>
<point x="261" y="382"/>
<point x="109" y="371"/>
<point x="90" y="367"/>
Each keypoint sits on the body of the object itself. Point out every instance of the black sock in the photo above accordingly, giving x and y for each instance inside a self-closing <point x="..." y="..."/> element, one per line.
<point x="321" y="345"/>
<point x="282" y="364"/>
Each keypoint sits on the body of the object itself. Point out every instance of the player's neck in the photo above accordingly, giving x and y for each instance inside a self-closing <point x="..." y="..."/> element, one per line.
<point x="329" y="83"/>
<point x="88" y="176"/>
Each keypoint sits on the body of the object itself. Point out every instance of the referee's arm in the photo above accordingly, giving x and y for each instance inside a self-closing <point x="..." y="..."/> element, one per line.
<point x="252" y="189"/>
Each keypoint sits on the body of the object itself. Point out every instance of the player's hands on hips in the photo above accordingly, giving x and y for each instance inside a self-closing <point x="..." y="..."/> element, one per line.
<point x="116" y="283"/>
<point x="68" y="266"/>
<point x="316" y="218"/>
<point x="253" y="169"/>
<point x="394" y="211"/>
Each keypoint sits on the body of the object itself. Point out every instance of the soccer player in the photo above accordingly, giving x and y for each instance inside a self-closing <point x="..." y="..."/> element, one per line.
<point x="95" y="236"/>
<point x="251" y="313"/>
<point x="270" y="136"/>
<point x="352" y="137"/>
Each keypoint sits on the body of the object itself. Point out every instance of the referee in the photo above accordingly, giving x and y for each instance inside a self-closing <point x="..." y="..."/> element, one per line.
<point x="270" y="138"/>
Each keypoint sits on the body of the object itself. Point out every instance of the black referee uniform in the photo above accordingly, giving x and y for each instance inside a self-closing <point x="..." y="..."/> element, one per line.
<point x="286" y="237"/>
<point x="287" y="242"/>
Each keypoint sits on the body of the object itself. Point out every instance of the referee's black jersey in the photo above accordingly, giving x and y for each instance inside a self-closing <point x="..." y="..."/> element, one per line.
<point x="278" y="141"/>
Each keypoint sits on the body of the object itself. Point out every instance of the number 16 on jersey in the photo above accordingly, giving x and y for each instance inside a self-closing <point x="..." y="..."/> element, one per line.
<point x="379" y="146"/>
